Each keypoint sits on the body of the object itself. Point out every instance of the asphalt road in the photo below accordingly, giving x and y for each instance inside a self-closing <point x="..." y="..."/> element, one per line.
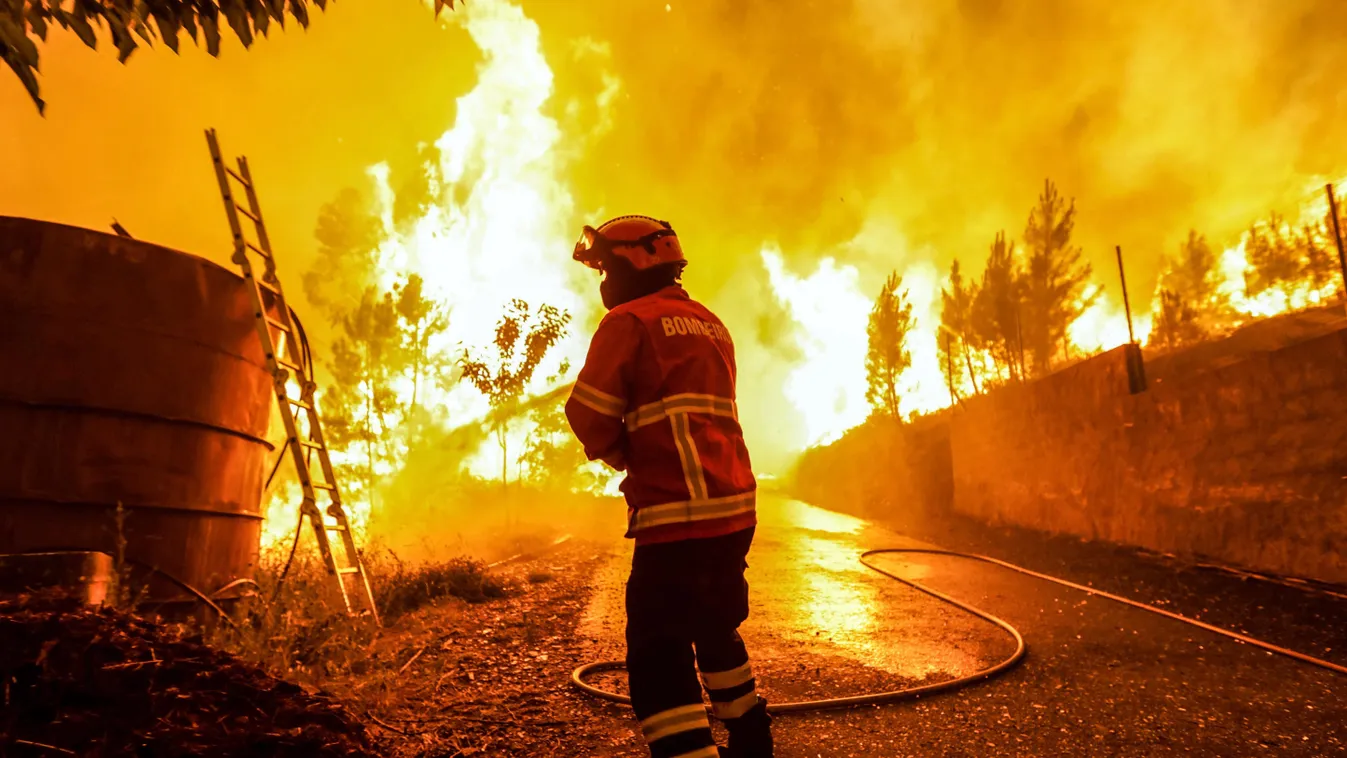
<point x="1100" y="678"/>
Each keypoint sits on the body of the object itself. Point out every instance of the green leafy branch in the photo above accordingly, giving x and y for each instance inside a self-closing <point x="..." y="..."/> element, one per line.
<point x="24" y="23"/>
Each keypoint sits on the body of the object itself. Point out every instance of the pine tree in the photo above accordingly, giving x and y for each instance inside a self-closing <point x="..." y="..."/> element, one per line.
<point x="1177" y="323"/>
<point x="888" y="356"/>
<point x="1273" y="261"/>
<point x="998" y="307"/>
<point x="1055" y="278"/>
<point x="956" y="321"/>
<point x="1319" y="252"/>
<point x="1193" y="278"/>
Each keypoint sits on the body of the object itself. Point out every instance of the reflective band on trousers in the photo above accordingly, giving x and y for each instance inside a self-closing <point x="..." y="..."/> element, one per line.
<point x="735" y="708"/>
<point x="685" y="403"/>
<point x="723" y="680"/>
<point x="684" y="718"/>
<point x="692" y="510"/>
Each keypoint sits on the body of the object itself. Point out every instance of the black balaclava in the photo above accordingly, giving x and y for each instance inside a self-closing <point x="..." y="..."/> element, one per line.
<point x="623" y="282"/>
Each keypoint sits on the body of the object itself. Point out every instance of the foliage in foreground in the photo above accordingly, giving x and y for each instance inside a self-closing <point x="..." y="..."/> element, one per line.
<point x="24" y="23"/>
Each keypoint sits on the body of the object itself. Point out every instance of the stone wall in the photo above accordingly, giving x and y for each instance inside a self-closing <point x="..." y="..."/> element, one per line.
<point x="881" y="470"/>
<point x="1245" y="463"/>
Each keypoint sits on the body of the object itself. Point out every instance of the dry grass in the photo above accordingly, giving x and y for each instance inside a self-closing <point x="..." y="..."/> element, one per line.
<point x="296" y="626"/>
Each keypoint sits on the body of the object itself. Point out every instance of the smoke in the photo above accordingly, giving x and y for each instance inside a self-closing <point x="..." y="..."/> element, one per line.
<point x="796" y="122"/>
<point x="889" y="134"/>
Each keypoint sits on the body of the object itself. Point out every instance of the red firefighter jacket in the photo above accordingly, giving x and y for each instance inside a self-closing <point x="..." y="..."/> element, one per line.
<point x="656" y="398"/>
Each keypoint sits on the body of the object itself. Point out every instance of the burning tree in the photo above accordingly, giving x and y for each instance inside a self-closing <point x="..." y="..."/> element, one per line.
<point x="523" y="338"/>
<point x="347" y="234"/>
<point x="1191" y="304"/>
<point x="997" y="307"/>
<point x="1274" y="261"/>
<point x="360" y="401"/>
<point x="888" y="356"/>
<point x="1177" y="322"/>
<point x="25" y="22"/>
<point x="1194" y="275"/>
<point x="960" y="339"/>
<point x="420" y="321"/>
<point x="1055" y="277"/>
<point x="385" y="343"/>
<point x="1319" y="250"/>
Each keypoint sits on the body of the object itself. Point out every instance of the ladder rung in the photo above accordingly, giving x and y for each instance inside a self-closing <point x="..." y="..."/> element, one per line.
<point x="323" y="486"/>
<point x="286" y="363"/>
<point x="334" y="527"/>
<point x="300" y="403"/>
<point x="310" y="444"/>
<point x="237" y="178"/>
<point x="349" y="570"/>
<point x="247" y="213"/>
<point x="278" y="324"/>
<point x="268" y="286"/>
<point x="257" y="250"/>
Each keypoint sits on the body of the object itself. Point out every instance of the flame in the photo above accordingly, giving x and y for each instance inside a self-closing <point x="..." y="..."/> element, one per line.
<point x="922" y="386"/>
<point x="1103" y="325"/>
<point x="498" y="228"/>
<point x="501" y="221"/>
<point x="500" y="225"/>
<point x="1282" y="297"/>
<point x="830" y="313"/>
<point x="829" y="310"/>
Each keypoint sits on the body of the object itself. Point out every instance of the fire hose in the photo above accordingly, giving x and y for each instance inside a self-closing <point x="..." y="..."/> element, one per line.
<point x="910" y="693"/>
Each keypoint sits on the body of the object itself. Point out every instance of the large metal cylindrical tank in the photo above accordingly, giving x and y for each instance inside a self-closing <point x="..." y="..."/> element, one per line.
<point x="130" y="374"/>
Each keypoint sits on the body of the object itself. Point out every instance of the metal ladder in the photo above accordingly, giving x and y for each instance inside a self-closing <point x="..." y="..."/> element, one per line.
<point x="351" y="578"/>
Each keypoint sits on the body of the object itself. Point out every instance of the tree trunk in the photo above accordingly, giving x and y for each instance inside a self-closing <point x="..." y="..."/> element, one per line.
<point x="972" y="377"/>
<point x="504" y="455"/>
<point x="369" y="428"/>
<point x="417" y="355"/>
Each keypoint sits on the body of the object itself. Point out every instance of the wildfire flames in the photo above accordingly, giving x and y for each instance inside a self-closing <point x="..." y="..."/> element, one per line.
<point x="501" y="208"/>
<point x="777" y="168"/>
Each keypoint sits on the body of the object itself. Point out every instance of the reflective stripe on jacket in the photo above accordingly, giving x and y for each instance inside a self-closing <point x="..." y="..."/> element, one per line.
<point x="655" y="398"/>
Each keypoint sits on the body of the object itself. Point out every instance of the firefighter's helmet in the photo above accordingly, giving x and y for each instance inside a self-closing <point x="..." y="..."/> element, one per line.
<point x="643" y="241"/>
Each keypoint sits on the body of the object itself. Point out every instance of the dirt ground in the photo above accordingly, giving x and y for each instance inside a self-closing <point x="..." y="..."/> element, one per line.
<point x="102" y="683"/>
<point x="456" y="678"/>
<point x="492" y="679"/>
<point x="450" y="679"/>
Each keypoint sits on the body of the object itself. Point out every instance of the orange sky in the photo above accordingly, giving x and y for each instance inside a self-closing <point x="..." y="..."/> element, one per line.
<point x="310" y="110"/>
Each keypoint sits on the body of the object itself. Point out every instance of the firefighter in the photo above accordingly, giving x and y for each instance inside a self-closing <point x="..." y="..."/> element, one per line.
<point x="656" y="399"/>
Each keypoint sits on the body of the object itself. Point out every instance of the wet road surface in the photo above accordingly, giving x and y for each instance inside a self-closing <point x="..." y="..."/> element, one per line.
<point x="1100" y="678"/>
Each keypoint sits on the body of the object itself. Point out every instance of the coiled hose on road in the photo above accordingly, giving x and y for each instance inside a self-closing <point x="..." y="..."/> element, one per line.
<point x="578" y="676"/>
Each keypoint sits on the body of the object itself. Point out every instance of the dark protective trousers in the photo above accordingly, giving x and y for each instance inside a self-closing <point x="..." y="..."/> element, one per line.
<point x="685" y="602"/>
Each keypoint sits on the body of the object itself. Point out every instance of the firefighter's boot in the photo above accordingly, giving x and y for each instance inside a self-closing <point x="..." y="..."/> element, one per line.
<point x="750" y="734"/>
